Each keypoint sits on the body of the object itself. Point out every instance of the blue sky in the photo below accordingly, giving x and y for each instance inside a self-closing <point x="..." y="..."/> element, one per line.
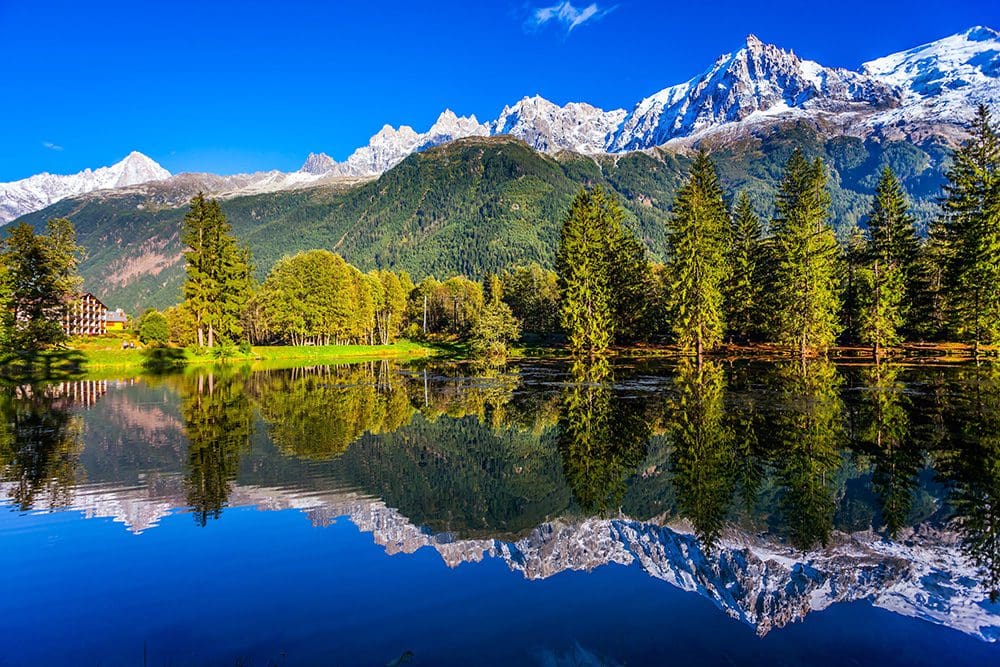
<point x="229" y="87"/>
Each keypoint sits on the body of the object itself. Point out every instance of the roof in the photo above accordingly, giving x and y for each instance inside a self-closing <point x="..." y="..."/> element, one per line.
<point x="88" y="294"/>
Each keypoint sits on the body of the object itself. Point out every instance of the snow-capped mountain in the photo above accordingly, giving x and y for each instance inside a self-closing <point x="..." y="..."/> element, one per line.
<point x="550" y="128"/>
<point x="37" y="192"/>
<point x="757" y="80"/>
<point x="942" y="81"/>
<point x="938" y="84"/>
<point x="928" y="90"/>
<point x="390" y="145"/>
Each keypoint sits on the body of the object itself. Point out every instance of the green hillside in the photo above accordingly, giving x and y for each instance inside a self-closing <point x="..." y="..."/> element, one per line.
<point x="471" y="206"/>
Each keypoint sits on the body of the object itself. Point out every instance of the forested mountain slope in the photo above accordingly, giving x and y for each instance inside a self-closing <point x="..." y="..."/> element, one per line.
<point x="470" y="206"/>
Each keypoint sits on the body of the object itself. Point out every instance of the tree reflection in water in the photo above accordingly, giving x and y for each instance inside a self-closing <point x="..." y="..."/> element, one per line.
<point x="40" y="444"/>
<point x="705" y="459"/>
<point x="806" y="436"/>
<point x="972" y="466"/>
<point x="218" y="421"/>
<point x="602" y="438"/>
<point x="801" y="449"/>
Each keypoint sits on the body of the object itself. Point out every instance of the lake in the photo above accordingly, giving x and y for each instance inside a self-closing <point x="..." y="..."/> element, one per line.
<point x="549" y="513"/>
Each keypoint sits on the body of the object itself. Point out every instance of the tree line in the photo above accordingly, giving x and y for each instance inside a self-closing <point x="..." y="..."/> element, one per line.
<point x="731" y="278"/>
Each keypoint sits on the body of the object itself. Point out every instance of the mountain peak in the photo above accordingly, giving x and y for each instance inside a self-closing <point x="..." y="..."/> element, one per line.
<point x="945" y="79"/>
<point x="981" y="33"/>
<point x="318" y="163"/>
<point x="446" y="116"/>
<point x="36" y="192"/>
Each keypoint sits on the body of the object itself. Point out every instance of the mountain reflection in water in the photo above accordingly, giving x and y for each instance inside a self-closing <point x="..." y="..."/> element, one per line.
<point x="772" y="489"/>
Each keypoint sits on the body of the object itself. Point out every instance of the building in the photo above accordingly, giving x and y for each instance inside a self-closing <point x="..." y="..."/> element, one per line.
<point x="85" y="316"/>
<point x="116" y="320"/>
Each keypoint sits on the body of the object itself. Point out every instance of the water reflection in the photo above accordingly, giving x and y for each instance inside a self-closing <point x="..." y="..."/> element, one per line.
<point x="318" y="412"/>
<point x="218" y="420"/>
<point x="773" y="489"/>
<point x="602" y="438"/>
<point x="40" y="441"/>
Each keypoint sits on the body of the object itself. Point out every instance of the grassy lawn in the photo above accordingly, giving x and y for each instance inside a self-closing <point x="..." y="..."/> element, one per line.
<point x="106" y="352"/>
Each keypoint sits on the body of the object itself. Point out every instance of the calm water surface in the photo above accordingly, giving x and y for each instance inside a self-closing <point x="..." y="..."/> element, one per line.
<point x="549" y="514"/>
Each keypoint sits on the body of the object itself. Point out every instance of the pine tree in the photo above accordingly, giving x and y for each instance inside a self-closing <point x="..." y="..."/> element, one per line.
<point x="856" y="258"/>
<point x="929" y="317"/>
<point x="629" y="275"/>
<point x="891" y="228"/>
<point x="806" y="274"/>
<point x="696" y="240"/>
<point x="219" y="275"/>
<point x="889" y="266"/>
<point x="972" y="232"/>
<point x="742" y="288"/>
<point x="587" y="305"/>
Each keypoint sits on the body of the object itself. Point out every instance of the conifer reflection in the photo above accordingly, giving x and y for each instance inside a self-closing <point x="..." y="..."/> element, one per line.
<point x="808" y="429"/>
<point x="973" y="466"/>
<point x="40" y="446"/>
<point x="218" y="421"/>
<point x="704" y="461"/>
<point x="602" y="438"/>
<point x="885" y="436"/>
<point x="743" y="419"/>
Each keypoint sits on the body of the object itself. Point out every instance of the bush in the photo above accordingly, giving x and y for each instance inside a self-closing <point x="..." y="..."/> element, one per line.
<point x="153" y="328"/>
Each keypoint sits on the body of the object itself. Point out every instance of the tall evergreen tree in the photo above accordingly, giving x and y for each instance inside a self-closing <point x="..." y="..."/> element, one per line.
<point x="630" y="279"/>
<point x="742" y="287"/>
<point x="972" y="231"/>
<point x="929" y="317"/>
<point x="856" y="258"/>
<point x="696" y="241"/>
<point x="219" y="276"/>
<point x="889" y="267"/>
<point x="806" y="274"/>
<point x="891" y="228"/>
<point x="587" y="305"/>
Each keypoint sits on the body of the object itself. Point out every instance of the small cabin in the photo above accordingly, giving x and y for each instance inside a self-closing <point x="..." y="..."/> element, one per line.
<point x="116" y="320"/>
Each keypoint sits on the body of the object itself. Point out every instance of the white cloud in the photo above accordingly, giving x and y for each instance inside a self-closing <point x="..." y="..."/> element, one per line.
<point x="51" y="146"/>
<point x="566" y="14"/>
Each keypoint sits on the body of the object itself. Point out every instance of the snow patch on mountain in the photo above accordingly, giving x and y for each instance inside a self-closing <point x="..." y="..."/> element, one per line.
<point x="931" y="89"/>
<point x="943" y="81"/>
<point x="36" y="192"/>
